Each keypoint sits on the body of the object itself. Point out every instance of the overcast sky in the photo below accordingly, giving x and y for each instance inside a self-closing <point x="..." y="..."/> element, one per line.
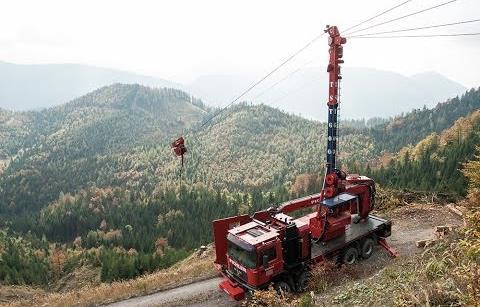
<point x="181" y="40"/>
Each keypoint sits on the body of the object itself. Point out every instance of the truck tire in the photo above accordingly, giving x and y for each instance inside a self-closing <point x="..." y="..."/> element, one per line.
<point x="303" y="280"/>
<point x="282" y="287"/>
<point x="367" y="248"/>
<point x="350" y="255"/>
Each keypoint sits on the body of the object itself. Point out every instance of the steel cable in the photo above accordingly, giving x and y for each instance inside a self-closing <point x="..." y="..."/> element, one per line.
<point x="419" y="28"/>
<point x="404" y="16"/>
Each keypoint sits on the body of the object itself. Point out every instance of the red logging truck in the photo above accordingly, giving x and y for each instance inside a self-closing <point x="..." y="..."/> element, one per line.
<point x="271" y="247"/>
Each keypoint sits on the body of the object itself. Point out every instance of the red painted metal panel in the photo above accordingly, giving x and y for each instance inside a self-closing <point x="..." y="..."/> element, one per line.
<point x="300" y="203"/>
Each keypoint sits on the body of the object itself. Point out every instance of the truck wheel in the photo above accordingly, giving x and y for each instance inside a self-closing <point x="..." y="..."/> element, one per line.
<point x="367" y="248"/>
<point x="282" y="287"/>
<point x="302" y="281"/>
<point x="350" y="255"/>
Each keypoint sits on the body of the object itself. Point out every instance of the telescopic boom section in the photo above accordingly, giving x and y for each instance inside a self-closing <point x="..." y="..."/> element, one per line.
<point x="336" y="53"/>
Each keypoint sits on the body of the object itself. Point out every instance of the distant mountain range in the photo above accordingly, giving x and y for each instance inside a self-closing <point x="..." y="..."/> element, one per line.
<point x="365" y="92"/>
<point x="26" y="87"/>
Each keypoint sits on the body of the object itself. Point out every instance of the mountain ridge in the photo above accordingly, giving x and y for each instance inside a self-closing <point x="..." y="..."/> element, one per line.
<point x="37" y="86"/>
<point x="418" y="123"/>
<point x="366" y="92"/>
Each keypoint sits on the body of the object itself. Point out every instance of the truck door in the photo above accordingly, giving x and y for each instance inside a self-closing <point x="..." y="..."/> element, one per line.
<point x="271" y="262"/>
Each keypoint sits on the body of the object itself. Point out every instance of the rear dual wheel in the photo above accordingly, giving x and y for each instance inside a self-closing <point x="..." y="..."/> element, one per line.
<point x="352" y="254"/>
<point x="367" y="248"/>
<point x="282" y="287"/>
<point x="303" y="280"/>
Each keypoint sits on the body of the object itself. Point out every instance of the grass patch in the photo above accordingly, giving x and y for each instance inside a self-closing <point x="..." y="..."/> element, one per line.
<point x="194" y="268"/>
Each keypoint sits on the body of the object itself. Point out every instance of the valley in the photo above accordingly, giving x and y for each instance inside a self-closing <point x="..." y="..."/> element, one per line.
<point x="91" y="190"/>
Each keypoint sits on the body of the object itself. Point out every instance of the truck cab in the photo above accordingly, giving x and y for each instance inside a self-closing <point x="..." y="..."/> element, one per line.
<point x="254" y="254"/>
<point x="265" y="249"/>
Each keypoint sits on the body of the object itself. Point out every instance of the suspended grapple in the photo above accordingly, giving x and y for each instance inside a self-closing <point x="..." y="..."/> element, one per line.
<point x="179" y="148"/>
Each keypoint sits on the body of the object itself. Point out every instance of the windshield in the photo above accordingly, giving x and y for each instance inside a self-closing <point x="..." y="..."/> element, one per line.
<point x="246" y="258"/>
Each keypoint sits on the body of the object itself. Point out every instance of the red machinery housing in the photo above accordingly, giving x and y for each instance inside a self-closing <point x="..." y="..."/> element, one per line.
<point x="253" y="252"/>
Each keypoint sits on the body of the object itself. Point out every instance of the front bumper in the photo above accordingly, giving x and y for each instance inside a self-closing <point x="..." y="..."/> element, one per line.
<point x="233" y="289"/>
<point x="234" y="286"/>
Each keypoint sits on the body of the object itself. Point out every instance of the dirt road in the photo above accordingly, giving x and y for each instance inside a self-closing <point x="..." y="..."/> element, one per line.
<point x="203" y="293"/>
<point x="410" y="224"/>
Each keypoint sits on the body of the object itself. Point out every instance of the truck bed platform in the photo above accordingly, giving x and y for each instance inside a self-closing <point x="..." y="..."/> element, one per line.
<point x="357" y="231"/>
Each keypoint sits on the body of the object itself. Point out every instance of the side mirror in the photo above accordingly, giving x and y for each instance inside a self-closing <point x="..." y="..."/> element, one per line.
<point x="265" y="261"/>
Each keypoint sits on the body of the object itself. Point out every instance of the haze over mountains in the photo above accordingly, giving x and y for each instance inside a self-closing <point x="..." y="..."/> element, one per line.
<point x="26" y="87"/>
<point x="365" y="92"/>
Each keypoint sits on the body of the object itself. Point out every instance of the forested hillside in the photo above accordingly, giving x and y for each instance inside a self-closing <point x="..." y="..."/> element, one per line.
<point x="63" y="149"/>
<point x="120" y="135"/>
<point x="436" y="162"/>
<point x="15" y="129"/>
<point x="75" y="146"/>
<point x="416" y="125"/>
<point x="250" y="146"/>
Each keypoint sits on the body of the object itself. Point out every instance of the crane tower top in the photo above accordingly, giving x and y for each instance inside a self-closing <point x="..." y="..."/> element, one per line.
<point x="335" y="41"/>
